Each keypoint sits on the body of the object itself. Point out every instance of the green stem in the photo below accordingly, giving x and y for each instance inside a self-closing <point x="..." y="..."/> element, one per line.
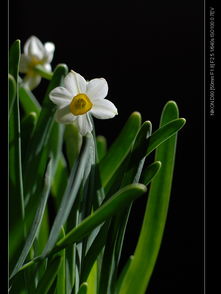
<point x="42" y="72"/>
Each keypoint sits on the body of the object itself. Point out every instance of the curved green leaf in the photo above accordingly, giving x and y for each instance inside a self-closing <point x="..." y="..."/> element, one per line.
<point x="28" y="124"/>
<point x="36" y="223"/>
<point x="38" y="150"/>
<point x="122" y="274"/>
<point x="16" y="237"/>
<point x="16" y="199"/>
<point x="73" y="186"/>
<point x="140" y="270"/>
<point x="39" y="69"/>
<point x="110" y="207"/>
<point x="92" y="279"/>
<point x="14" y="59"/>
<point x="138" y="154"/>
<point x="61" y="275"/>
<point x="164" y="132"/>
<point x="48" y="278"/>
<point x="150" y="172"/>
<point x="73" y="142"/>
<point x="28" y="101"/>
<point x="101" y="147"/>
<point x="60" y="179"/>
<point x="93" y="252"/>
<point x="120" y="148"/>
<point x="133" y="167"/>
<point x="12" y="91"/>
<point x="83" y="288"/>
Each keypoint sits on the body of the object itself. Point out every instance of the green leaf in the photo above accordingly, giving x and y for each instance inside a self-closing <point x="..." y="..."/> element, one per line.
<point x="92" y="279"/>
<point x="94" y="251"/>
<point x="28" y="101"/>
<point x="12" y="91"/>
<point x="48" y="278"/>
<point x="83" y="288"/>
<point x="73" y="142"/>
<point x="54" y="147"/>
<point x="60" y="284"/>
<point x="122" y="274"/>
<point x="60" y="174"/>
<point x="140" y="270"/>
<point x="60" y="180"/>
<point x="16" y="199"/>
<point x="71" y="269"/>
<point x="16" y="237"/>
<point x="43" y="233"/>
<point x="36" y="223"/>
<point x="55" y="143"/>
<point x="19" y="284"/>
<point x="14" y="122"/>
<point x="133" y="168"/>
<point x="164" y="132"/>
<point x="101" y="147"/>
<point x="39" y="69"/>
<point x="121" y="220"/>
<point x="120" y="148"/>
<point x="150" y="172"/>
<point x="137" y="155"/>
<point x="38" y="150"/>
<point x="73" y="186"/>
<point x="109" y="208"/>
<point x="108" y="265"/>
<point x="28" y="124"/>
<point x="14" y="59"/>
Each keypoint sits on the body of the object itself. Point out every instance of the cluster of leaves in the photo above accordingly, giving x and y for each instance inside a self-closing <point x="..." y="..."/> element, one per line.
<point x="75" y="245"/>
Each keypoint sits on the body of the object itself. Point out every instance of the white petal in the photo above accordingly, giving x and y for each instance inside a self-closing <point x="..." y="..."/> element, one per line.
<point x="49" y="51"/>
<point x="64" y="116"/>
<point x="84" y="123"/>
<point x="104" y="109"/>
<point x="34" y="47"/>
<point x="24" y="63"/>
<point x="97" y="89"/>
<point x="60" y="96"/>
<point x="47" y="67"/>
<point x="75" y="83"/>
<point x="31" y="81"/>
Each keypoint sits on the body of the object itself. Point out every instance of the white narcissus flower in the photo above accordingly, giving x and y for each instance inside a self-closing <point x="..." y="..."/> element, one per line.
<point x="35" y="53"/>
<point x="78" y="99"/>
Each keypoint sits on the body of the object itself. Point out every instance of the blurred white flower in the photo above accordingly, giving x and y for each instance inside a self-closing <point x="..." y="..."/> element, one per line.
<point x="35" y="53"/>
<point x="79" y="98"/>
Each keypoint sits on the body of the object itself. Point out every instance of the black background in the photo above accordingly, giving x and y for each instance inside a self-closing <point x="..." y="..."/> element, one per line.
<point x="149" y="53"/>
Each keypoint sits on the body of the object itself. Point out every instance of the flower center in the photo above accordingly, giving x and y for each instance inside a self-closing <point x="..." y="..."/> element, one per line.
<point x="33" y="62"/>
<point x="80" y="104"/>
